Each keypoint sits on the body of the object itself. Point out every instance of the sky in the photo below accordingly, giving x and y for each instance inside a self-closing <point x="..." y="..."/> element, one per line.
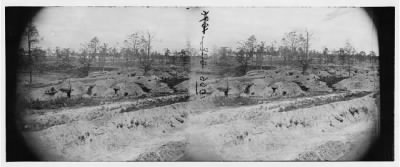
<point x="173" y="28"/>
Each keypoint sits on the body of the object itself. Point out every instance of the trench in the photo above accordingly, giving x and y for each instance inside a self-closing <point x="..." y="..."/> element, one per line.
<point x="143" y="87"/>
<point x="172" y="82"/>
<point x="331" y="80"/>
<point x="302" y="87"/>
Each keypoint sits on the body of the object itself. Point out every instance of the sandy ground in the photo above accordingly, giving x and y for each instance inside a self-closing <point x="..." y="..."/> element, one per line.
<point x="288" y="124"/>
<point x="187" y="132"/>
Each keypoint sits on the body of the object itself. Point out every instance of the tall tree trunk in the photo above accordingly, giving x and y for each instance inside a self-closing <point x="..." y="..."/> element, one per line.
<point x="348" y="66"/>
<point x="87" y="69"/>
<point x="306" y="62"/>
<point x="270" y="59"/>
<point x="103" y="62"/>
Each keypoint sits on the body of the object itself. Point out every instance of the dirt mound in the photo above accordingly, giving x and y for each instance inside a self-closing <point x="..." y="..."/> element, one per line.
<point x="329" y="151"/>
<point x="152" y="84"/>
<point x="308" y="156"/>
<point x="256" y="72"/>
<point x="308" y="83"/>
<point x="183" y="86"/>
<point x="357" y="83"/>
<point x="164" y="75"/>
<point x="285" y="89"/>
<point x="56" y="91"/>
<point x="291" y="83"/>
<point x="103" y="87"/>
<point x="260" y="88"/>
<point x="323" y="74"/>
<point x="41" y="95"/>
<point x="127" y="89"/>
<point x="170" y="151"/>
<point x="232" y="87"/>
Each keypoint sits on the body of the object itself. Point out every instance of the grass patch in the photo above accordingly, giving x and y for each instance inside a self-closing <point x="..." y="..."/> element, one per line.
<point x="322" y="101"/>
<point x="62" y="102"/>
<point x="157" y="102"/>
<point x="233" y="101"/>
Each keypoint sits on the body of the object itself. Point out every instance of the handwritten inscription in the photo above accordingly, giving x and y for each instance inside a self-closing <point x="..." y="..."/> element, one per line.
<point x="204" y="25"/>
<point x="203" y="52"/>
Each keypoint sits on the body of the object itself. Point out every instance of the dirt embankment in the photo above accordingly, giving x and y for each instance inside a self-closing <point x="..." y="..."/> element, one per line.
<point x="283" y="82"/>
<point x="35" y="120"/>
<point x="322" y="132"/>
<point x="192" y="130"/>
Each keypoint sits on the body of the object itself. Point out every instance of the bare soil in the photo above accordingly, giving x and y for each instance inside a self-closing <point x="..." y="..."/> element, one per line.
<point x="269" y="114"/>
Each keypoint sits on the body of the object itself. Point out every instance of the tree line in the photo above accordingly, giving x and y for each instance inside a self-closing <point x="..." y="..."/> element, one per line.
<point x="294" y="50"/>
<point x="137" y="50"/>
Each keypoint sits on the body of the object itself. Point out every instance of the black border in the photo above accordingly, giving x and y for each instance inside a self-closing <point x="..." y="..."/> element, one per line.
<point x="15" y="18"/>
<point x="383" y="18"/>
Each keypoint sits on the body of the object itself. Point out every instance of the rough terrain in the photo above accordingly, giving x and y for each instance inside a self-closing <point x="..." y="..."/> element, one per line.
<point x="267" y="115"/>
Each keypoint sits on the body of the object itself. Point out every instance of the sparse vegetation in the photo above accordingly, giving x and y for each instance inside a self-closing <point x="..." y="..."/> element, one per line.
<point x="233" y="101"/>
<point x="63" y="102"/>
<point x="252" y="98"/>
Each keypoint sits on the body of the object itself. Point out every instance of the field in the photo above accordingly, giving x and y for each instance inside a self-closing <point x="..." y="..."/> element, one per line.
<point x="267" y="114"/>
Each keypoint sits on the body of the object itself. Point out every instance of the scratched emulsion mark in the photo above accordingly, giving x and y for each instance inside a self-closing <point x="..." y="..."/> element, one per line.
<point x="203" y="51"/>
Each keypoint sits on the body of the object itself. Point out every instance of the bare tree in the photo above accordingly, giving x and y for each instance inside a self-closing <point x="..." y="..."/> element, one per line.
<point x="325" y="55"/>
<point x="173" y="57"/>
<point x="88" y="55"/>
<point x="349" y="52"/>
<point x="85" y="60"/>
<point x="371" y="56"/>
<point x="272" y="51"/>
<point x="126" y="53"/>
<point x="58" y="54"/>
<point x="362" y="56"/>
<point x="63" y="55"/>
<point x="305" y="59"/>
<point x="285" y="53"/>
<point x="250" y="46"/>
<point x="182" y="56"/>
<point x="222" y="53"/>
<point x="32" y="37"/>
<point x="94" y="46"/>
<point x="114" y="54"/>
<point x="260" y="53"/>
<point x="39" y="56"/>
<point x="243" y="59"/>
<point x="291" y="41"/>
<point x="166" y="55"/>
<point x="103" y="54"/>
<point x="247" y="50"/>
<point x="146" y="40"/>
<point x="134" y="40"/>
